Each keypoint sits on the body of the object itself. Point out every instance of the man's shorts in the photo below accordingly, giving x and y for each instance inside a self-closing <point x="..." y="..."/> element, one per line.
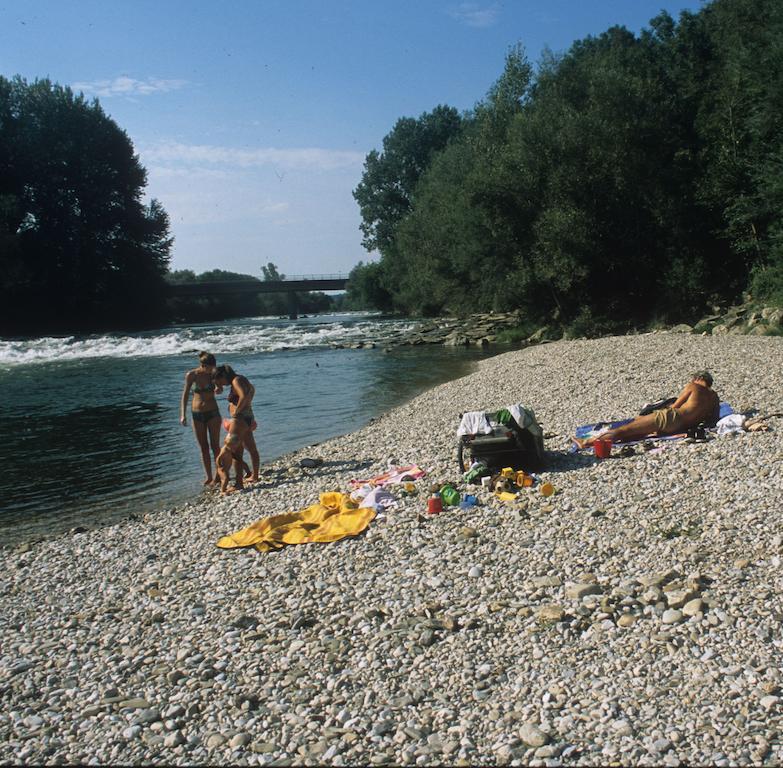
<point x="668" y="421"/>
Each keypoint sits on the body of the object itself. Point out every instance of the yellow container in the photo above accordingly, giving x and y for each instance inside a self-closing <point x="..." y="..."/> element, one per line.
<point x="507" y="472"/>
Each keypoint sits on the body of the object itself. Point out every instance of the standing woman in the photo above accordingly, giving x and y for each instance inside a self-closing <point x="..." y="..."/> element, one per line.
<point x="204" y="410"/>
<point x="240" y="407"/>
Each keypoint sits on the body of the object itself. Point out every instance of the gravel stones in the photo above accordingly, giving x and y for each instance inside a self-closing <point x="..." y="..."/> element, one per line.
<point x="389" y="647"/>
<point x="578" y="591"/>
<point x="550" y="613"/>
<point x="532" y="735"/>
<point x="240" y="740"/>
<point x="174" y="739"/>
<point x="215" y="740"/>
<point x="540" y="582"/>
<point x="693" y="607"/>
<point x="671" y="616"/>
<point x="136" y="703"/>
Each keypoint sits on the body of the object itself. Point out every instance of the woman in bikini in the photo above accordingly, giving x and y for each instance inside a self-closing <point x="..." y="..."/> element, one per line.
<point x="204" y="410"/>
<point x="240" y="407"/>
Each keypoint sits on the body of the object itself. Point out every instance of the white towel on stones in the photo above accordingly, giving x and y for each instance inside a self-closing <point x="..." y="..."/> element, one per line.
<point x="732" y="423"/>
<point x="474" y="423"/>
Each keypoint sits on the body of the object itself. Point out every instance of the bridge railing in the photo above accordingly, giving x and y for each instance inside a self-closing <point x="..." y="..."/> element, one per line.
<point x="286" y="279"/>
<point x="293" y="278"/>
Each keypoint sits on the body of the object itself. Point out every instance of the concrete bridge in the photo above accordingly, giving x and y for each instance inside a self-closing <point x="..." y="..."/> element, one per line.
<point x="291" y="285"/>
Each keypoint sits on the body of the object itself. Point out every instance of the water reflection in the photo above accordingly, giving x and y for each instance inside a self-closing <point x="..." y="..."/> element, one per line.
<point x="88" y="458"/>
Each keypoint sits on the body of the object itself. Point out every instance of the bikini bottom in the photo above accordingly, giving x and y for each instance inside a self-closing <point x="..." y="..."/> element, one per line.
<point x="204" y="417"/>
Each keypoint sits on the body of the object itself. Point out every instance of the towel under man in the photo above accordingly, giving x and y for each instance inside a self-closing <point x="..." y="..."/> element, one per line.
<point x="696" y="403"/>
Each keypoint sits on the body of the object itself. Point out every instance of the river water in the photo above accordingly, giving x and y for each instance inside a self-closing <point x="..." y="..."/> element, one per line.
<point x="90" y="429"/>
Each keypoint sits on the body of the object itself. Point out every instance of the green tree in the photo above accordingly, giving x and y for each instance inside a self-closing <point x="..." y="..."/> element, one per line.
<point x="78" y="246"/>
<point x="181" y="276"/>
<point x="271" y="273"/>
<point x="366" y="289"/>
<point x="635" y="177"/>
<point x="386" y="192"/>
<point x="741" y="100"/>
<point x="595" y="143"/>
<point x="222" y="275"/>
<point x="457" y="249"/>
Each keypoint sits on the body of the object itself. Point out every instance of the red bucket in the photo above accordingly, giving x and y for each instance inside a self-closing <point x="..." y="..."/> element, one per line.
<point x="602" y="448"/>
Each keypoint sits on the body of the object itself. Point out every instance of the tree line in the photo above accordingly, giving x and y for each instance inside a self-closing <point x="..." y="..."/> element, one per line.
<point x="631" y="179"/>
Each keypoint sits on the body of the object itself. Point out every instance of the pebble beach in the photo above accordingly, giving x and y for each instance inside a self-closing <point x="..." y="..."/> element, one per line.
<point x="633" y="618"/>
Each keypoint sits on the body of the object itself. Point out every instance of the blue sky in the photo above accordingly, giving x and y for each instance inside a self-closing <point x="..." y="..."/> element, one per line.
<point x="253" y="118"/>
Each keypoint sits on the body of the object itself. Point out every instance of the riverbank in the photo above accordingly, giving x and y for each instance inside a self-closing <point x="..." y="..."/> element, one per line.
<point x="484" y="329"/>
<point x="479" y="636"/>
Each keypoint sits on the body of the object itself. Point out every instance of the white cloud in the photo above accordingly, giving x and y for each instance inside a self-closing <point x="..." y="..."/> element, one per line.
<point x="475" y="15"/>
<point x="183" y="173"/>
<point x="274" y="208"/>
<point x="127" y="86"/>
<point x="308" y="158"/>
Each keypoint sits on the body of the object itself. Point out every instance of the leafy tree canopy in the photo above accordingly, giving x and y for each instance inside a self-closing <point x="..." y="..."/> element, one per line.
<point x="78" y="247"/>
<point x="271" y="273"/>
<point x="385" y="193"/>
<point x="365" y="288"/>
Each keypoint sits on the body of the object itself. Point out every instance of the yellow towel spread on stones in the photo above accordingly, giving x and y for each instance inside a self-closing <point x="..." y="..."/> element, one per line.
<point x="335" y="517"/>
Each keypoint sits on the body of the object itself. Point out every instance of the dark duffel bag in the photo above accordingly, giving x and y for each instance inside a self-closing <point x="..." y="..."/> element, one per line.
<point x="509" y="445"/>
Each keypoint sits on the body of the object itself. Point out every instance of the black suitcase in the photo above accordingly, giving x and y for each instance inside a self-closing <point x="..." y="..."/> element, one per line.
<point x="507" y="446"/>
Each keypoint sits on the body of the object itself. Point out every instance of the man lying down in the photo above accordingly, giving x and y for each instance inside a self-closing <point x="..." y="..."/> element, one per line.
<point x="696" y="403"/>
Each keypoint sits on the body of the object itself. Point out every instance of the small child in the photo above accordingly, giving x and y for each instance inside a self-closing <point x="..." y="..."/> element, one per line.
<point x="230" y="453"/>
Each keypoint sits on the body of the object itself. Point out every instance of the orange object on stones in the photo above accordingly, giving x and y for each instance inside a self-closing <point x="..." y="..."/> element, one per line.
<point x="602" y="448"/>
